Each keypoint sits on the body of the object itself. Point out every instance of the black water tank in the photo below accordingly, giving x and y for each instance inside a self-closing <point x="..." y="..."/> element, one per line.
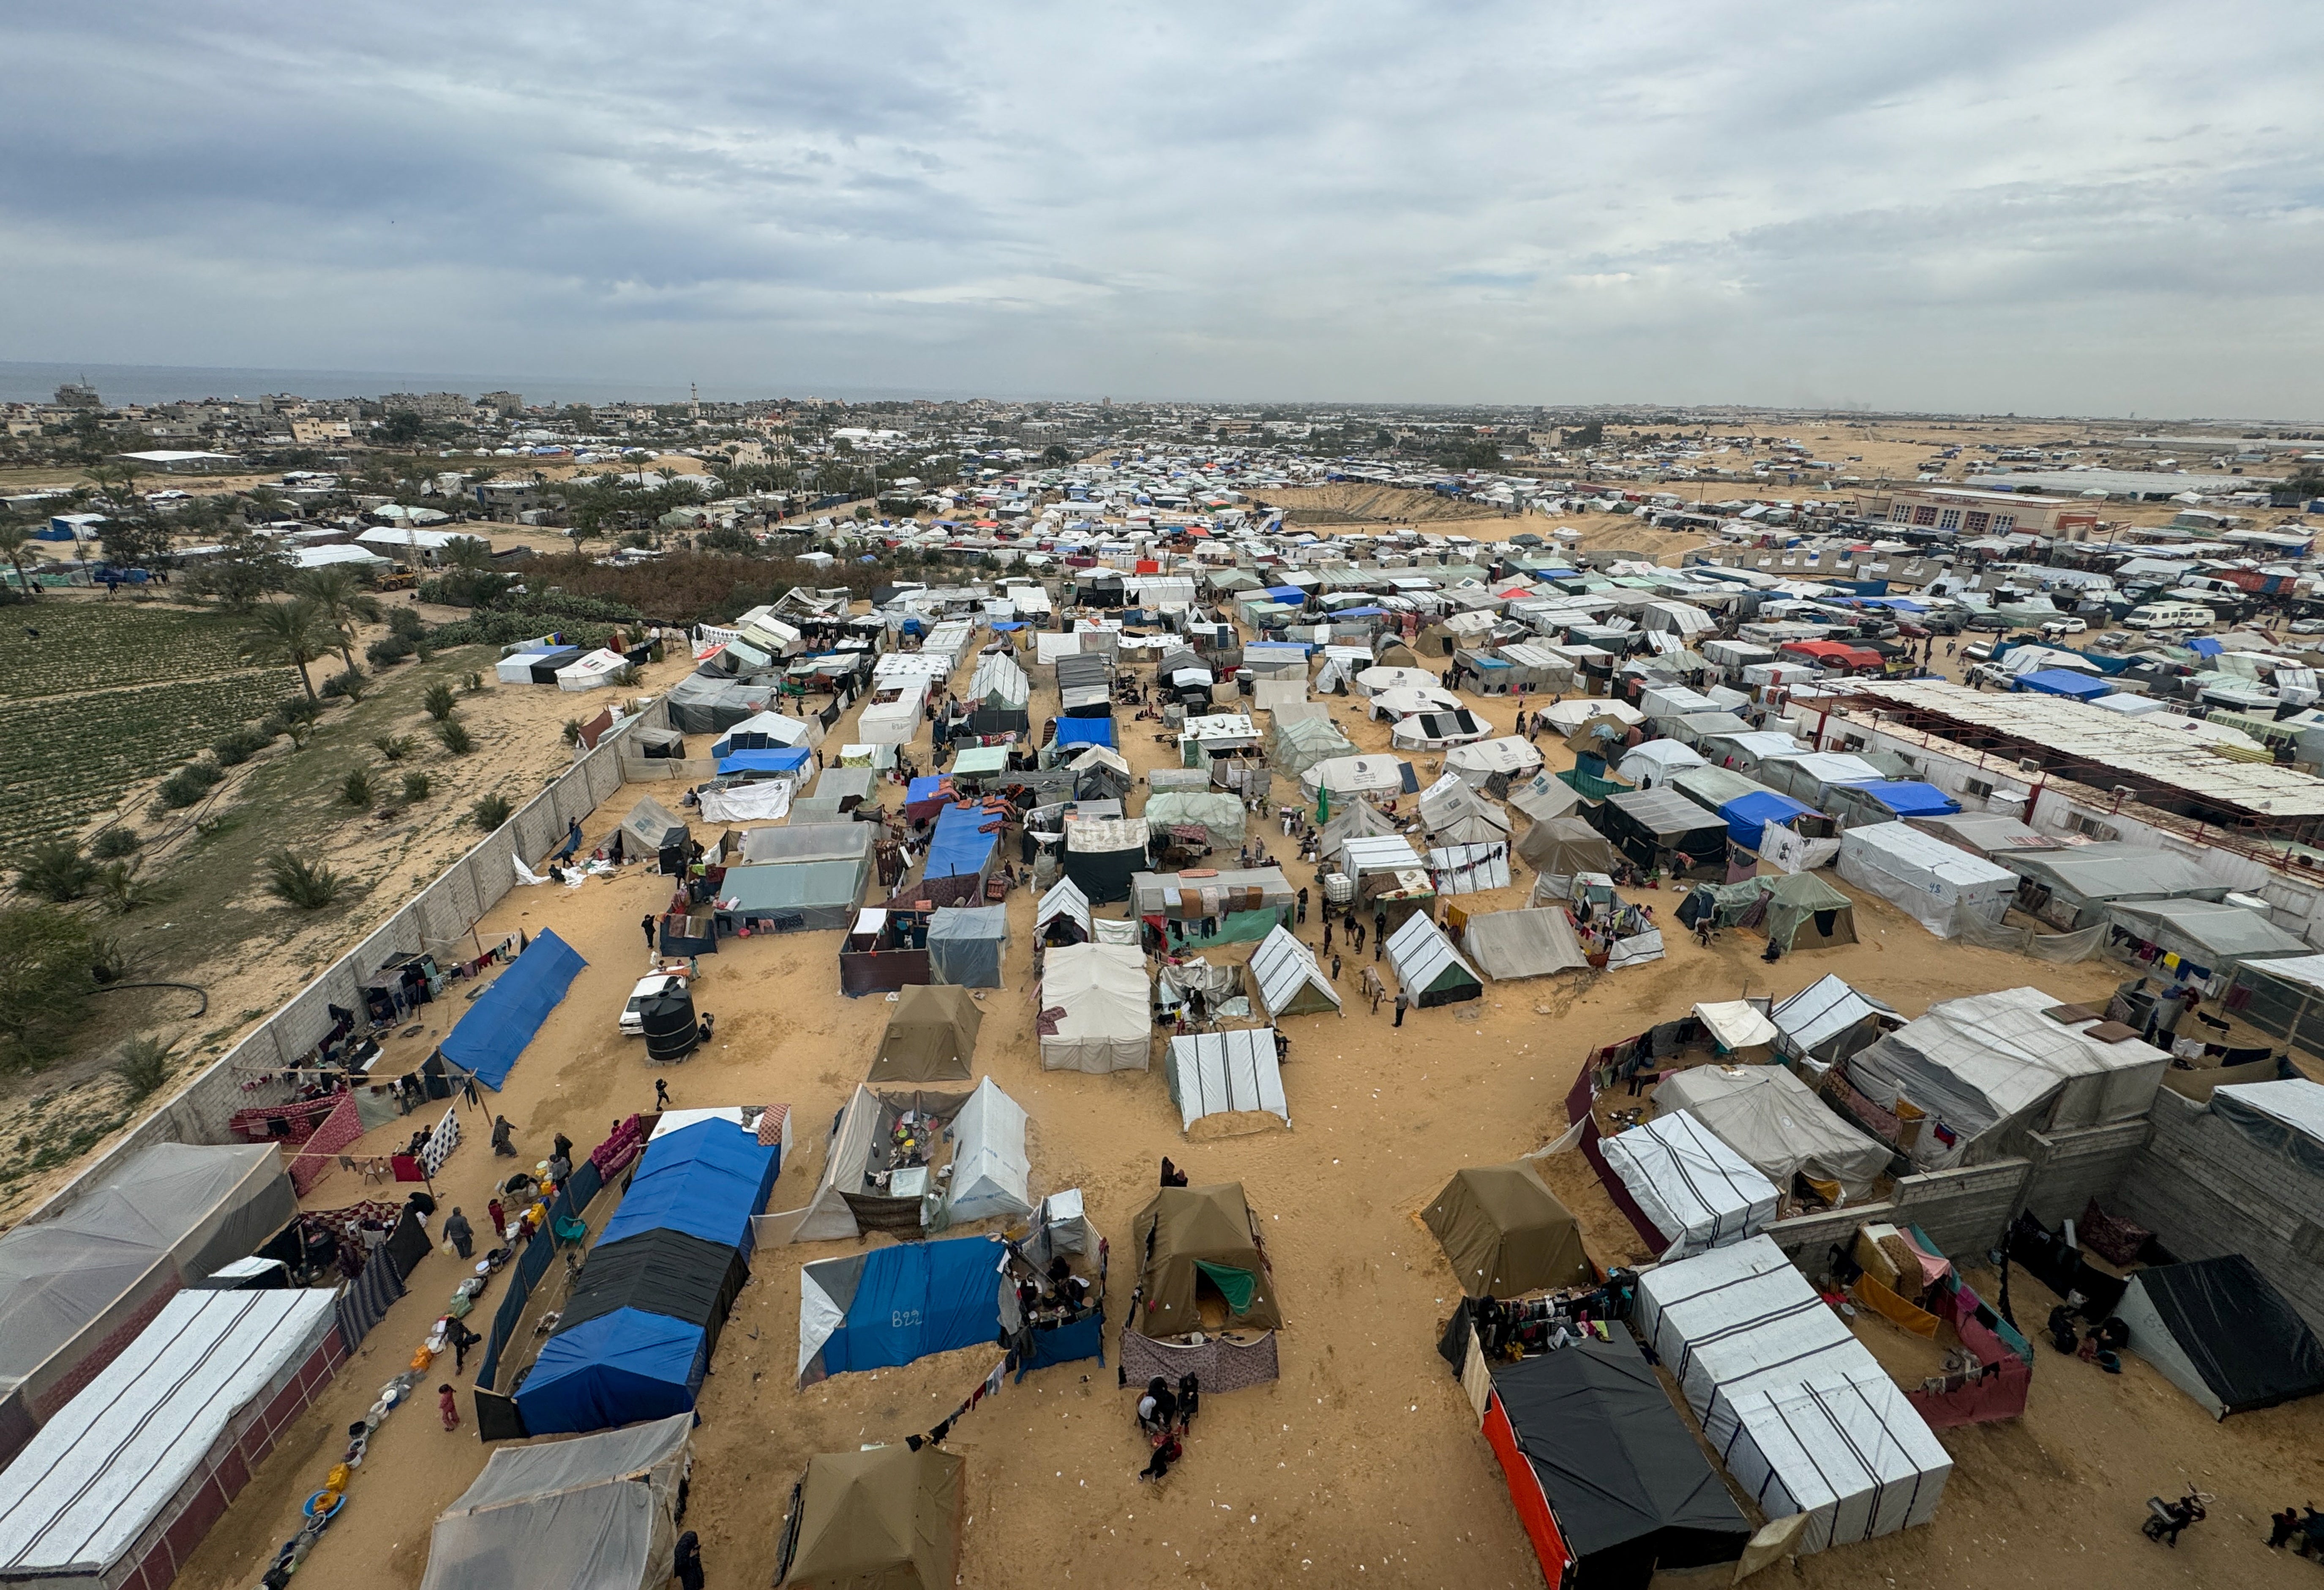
<point x="669" y="1022"/>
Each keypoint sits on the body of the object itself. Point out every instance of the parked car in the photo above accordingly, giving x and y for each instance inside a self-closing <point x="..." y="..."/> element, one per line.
<point x="1978" y="654"/>
<point x="2059" y="629"/>
<point x="2308" y="627"/>
<point x="1991" y="624"/>
<point x="661" y="982"/>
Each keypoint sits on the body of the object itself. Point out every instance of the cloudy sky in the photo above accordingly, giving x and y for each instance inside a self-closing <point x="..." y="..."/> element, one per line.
<point x="2065" y="207"/>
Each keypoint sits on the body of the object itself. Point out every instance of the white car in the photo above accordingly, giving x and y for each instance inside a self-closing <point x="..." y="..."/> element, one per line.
<point x="2057" y="627"/>
<point x="660" y="982"/>
<point x="2309" y="627"/>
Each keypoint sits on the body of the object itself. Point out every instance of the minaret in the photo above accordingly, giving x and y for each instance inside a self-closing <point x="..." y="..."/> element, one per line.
<point x="694" y="401"/>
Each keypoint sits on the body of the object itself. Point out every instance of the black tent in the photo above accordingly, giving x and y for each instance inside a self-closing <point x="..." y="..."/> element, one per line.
<point x="664" y="1271"/>
<point x="1650" y="826"/>
<point x="1606" y="1477"/>
<point x="2219" y="1331"/>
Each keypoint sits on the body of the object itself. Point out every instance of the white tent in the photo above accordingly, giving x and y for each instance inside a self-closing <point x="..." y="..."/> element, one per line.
<point x="1656" y="762"/>
<point x="1063" y="901"/>
<point x="1231" y="1072"/>
<point x="1773" y="1120"/>
<point x="1403" y="701"/>
<point x="1353" y="776"/>
<point x="1737" y="1026"/>
<point x="1512" y="757"/>
<point x="1801" y="1415"/>
<point x="895" y="722"/>
<point x="755" y="800"/>
<point x="1437" y="730"/>
<point x="1531" y="943"/>
<point x="1289" y="980"/>
<point x="600" y="1510"/>
<point x="999" y="683"/>
<point x="592" y="672"/>
<point x="1370" y="682"/>
<point x="1933" y="882"/>
<point x="1986" y="1068"/>
<point x="775" y="729"/>
<point x="989" y="1171"/>
<point x="1544" y="797"/>
<point x="1699" y="1192"/>
<point x="1469" y="870"/>
<point x="1827" y="1021"/>
<point x="1096" y="1009"/>
<point x="1452" y="814"/>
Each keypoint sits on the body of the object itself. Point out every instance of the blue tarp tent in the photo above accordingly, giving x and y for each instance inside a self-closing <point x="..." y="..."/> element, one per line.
<point x="877" y="1310"/>
<point x="1905" y="797"/>
<point x="788" y="760"/>
<point x="706" y="1180"/>
<point x="1085" y="731"/>
<point x="616" y="1369"/>
<point x="1748" y="815"/>
<point x="2065" y="681"/>
<point x="958" y="849"/>
<point x="485" y="1042"/>
<point x="1290" y="594"/>
<point x="2206" y="646"/>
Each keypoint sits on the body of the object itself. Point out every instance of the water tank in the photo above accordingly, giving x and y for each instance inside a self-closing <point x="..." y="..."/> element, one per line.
<point x="670" y="1026"/>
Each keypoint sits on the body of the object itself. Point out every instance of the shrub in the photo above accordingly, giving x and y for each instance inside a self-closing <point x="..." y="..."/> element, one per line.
<point x="473" y="683"/>
<point x="143" y="1066"/>
<point x="356" y="789"/>
<point x="56" y="871"/>
<point x="114" y="844"/>
<point x="187" y="786"/>
<point x="298" y="709"/>
<point x="296" y="731"/>
<point x="123" y="891"/>
<point x="394" y="746"/>
<point x="624" y="677"/>
<point x="456" y="737"/>
<point x="237" y="746"/>
<point x="440" y="703"/>
<point x="405" y="622"/>
<point x="350" y="685"/>
<point x="572" y="732"/>
<point x="387" y="650"/>
<point x="297" y="881"/>
<point x="492" y="811"/>
<point x="50" y="962"/>
<point x="415" y="787"/>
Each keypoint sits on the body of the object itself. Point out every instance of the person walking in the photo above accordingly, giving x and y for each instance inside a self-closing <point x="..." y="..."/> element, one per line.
<point x="686" y="1566"/>
<point x="500" y="1220"/>
<point x="1335" y="968"/>
<point x="661" y="1094"/>
<point x="462" y="1338"/>
<point x="503" y="1136"/>
<point x="1402" y="1004"/>
<point x="460" y="1235"/>
<point x="1303" y="908"/>
<point x="1379" y="924"/>
<point x="447" y="1406"/>
<point x="645" y="924"/>
<point x="1327" y="935"/>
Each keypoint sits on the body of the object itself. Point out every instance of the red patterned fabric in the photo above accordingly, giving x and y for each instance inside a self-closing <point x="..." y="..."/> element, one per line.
<point x="320" y="1156"/>
<point x="303" y="1118"/>
<point x="770" y="1124"/>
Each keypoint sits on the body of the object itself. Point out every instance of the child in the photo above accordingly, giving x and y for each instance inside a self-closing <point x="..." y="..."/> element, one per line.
<point x="450" y="1406"/>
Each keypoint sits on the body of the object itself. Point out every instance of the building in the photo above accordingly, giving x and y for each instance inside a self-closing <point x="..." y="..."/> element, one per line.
<point x="507" y="405"/>
<point x="309" y="432"/>
<point x="71" y="395"/>
<point x="1967" y="511"/>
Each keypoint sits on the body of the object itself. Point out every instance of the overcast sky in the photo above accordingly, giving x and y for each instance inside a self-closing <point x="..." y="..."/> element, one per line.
<point x="2063" y="208"/>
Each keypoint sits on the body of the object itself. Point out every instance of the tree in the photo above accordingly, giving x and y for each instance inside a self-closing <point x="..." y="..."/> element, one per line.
<point x="50" y="964"/>
<point x="142" y="542"/>
<point x="402" y="429"/>
<point x="244" y="569"/>
<point x="338" y="593"/>
<point x="14" y="537"/>
<point x="293" y="631"/>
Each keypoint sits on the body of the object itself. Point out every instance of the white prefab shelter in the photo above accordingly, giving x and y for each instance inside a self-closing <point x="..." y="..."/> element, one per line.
<point x="897" y="721"/>
<point x="1776" y="1121"/>
<point x="1933" y="882"/>
<point x="1288" y="981"/>
<point x="593" y="672"/>
<point x="1801" y="1414"/>
<point x="991" y="1174"/>
<point x="122" y="1483"/>
<point x="1096" y="1009"/>
<point x="599" y="1510"/>
<point x="1700" y="1193"/>
<point x="1226" y="1073"/>
<point x="1512" y="757"/>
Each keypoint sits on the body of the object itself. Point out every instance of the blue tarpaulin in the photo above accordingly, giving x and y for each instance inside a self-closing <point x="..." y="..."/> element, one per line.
<point x="2065" y="681"/>
<point x="896" y="1304"/>
<point x="1291" y="595"/>
<point x="958" y="848"/>
<point x="485" y="1042"/>
<point x="1748" y="815"/>
<point x="1085" y="731"/>
<point x="1909" y="799"/>
<point x="2206" y="646"/>
<point x="616" y="1369"/>
<point x="706" y="1180"/>
<point x="788" y="759"/>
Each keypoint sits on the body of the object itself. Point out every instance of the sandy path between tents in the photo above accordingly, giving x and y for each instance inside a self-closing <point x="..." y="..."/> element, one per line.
<point x="1362" y="1464"/>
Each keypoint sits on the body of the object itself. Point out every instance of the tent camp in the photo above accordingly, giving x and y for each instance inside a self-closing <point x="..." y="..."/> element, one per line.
<point x="1505" y="945"/>
<point x="884" y="1519"/>
<point x="1608" y="1483"/>
<point x="1286" y="979"/>
<point x="1988" y="1068"/>
<point x="1559" y="847"/>
<point x="1698" y="1192"/>
<point x="2219" y="1332"/>
<point x="121" y="1484"/>
<point x="651" y="830"/>
<point x="931" y="1036"/>
<point x="1197" y="1244"/>
<point x="1428" y="969"/>
<point x="1095" y="1012"/>
<point x="1544" y="797"/>
<point x="494" y="1030"/>
<point x="967" y="944"/>
<point x="1505" y="1232"/>
<point x="1507" y="758"/>
<point x="1226" y="1074"/>
<point x="1933" y="882"/>
<point x="1803" y="1416"/>
<point x="990" y="1172"/>
<point x="1828" y="1021"/>
<point x="599" y="1509"/>
<point x="1103" y="854"/>
<point x="1773" y="1120"/>
<point x="1652" y="826"/>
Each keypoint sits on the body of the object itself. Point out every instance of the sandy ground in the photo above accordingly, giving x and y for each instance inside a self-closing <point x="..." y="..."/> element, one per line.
<point x="1363" y="1463"/>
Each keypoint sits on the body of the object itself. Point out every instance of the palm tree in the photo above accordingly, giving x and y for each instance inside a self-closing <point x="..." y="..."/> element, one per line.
<point x="338" y="597"/>
<point x="471" y="554"/>
<point x="293" y="631"/>
<point x="14" y="536"/>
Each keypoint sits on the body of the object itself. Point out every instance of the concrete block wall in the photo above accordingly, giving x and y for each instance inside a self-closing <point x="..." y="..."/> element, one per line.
<point x="1964" y="1211"/>
<point x="2206" y="1189"/>
<point x="2071" y="1168"/>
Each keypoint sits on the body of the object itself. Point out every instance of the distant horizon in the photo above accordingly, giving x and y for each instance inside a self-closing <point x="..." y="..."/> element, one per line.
<point x="36" y="381"/>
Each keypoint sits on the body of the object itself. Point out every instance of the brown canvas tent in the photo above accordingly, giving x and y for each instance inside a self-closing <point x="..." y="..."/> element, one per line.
<point x="1563" y="846"/>
<point x="1506" y="1233"/>
<point x="1190" y="1237"/>
<point x="888" y="1519"/>
<point x="931" y="1036"/>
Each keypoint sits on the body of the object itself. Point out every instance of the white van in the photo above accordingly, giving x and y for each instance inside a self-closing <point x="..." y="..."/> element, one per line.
<point x="2170" y="615"/>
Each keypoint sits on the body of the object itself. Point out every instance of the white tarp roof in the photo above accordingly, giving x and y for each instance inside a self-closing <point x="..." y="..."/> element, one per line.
<point x="598" y="1510"/>
<point x="1354" y="776"/>
<point x="1736" y="1024"/>
<point x="1776" y="1121"/>
<point x="991" y="1174"/>
<point x="1096" y="1008"/>
<point x="112" y="1460"/>
<point x="778" y="727"/>
<point x="1370" y="682"/>
<point x="1544" y="797"/>
<point x="756" y="800"/>
<point x="1824" y="1010"/>
<point x="1285" y="970"/>
<point x="1506" y="754"/>
<point x="1930" y="880"/>
<point x="591" y="672"/>
<point x="1989" y="1061"/>
<point x="1656" y="760"/>
<point x="1570" y="715"/>
<point x="1218" y="1073"/>
<point x="1699" y="1192"/>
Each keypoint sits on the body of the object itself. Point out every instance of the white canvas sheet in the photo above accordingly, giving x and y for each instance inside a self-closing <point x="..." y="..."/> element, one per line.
<point x="1929" y="880"/>
<point x="1102" y="1007"/>
<point x="762" y="800"/>
<point x="1218" y="1073"/>
<point x="991" y="1174"/>
<point x="1700" y="1193"/>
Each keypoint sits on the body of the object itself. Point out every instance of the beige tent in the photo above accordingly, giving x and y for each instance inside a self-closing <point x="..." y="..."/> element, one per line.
<point x="1193" y="1241"/>
<point x="888" y="1519"/>
<point x="1563" y="846"/>
<point x="931" y="1036"/>
<point x="1097" y="1009"/>
<point x="1506" y="1233"/>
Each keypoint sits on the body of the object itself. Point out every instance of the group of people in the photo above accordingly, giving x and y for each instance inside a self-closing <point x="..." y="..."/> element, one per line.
<point x="1164" y="1418"/>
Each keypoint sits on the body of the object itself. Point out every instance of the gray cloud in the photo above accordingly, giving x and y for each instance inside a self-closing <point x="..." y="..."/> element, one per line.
<point x="2074" y="206"/>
